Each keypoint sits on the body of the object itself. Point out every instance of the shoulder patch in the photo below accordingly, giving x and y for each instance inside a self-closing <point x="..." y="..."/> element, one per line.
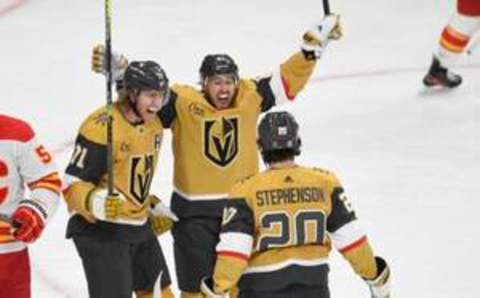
<point x="94" y="128"/>
<point x="228" y="214"/>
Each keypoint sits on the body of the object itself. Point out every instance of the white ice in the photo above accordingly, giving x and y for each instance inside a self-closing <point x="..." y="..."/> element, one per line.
<point x="409" y="162"/>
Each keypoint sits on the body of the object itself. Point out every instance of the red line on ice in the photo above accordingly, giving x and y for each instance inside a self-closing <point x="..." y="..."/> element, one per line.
<point x="11" y="6"/>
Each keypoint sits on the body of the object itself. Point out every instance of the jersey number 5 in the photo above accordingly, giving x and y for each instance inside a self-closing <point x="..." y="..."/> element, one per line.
<point x="3" y="173"/>
<point x="43" y="154"/>
<point x="279" y="229"/>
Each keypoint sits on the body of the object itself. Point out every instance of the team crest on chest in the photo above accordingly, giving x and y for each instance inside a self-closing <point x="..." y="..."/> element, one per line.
<point x="221" y="140"/>
<point x="141" y="176"/>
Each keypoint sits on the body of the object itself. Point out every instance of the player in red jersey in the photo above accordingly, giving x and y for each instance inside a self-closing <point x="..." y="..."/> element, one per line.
<point x="24" y="161"/>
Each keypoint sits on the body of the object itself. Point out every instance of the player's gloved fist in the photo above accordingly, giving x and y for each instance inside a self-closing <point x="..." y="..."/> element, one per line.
<point x="161" y="217"/>
<point x="160" y="224"/>
<point x="380" y="286"/>
<point x="316" y="38"/>
<point x="113" y="207"/>
<point x="206" y="286"/>
<point x="31" y="224"/>
<point x="160" y="209"/>
<point x="99" y="62"/>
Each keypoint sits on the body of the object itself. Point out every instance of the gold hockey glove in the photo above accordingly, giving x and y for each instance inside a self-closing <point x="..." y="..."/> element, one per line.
<point x="380" y="286"/>
<point x="114" y="208"/>
<point x="160" y="224"/>
<point x="99" y="62"/>
<point x="161" y="217"/>
<point x="317" y="37"/>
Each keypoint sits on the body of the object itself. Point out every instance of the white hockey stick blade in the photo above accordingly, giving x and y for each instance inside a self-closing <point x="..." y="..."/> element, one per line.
<point x="474" y="45"/>
<point x="157" y="287"/>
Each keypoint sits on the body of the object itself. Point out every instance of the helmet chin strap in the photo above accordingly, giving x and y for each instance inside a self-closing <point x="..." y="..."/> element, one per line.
<point x="133" y="104"/>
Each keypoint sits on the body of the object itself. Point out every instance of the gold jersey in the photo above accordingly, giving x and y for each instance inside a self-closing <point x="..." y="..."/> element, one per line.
<point x="135" y="154"/>
<point x="278" y="229"/>
<point x="215" y="148"/>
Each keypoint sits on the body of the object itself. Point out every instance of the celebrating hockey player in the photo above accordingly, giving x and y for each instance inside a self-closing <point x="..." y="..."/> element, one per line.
<point x="114" y="234"/>
<point x="214" y="135"/>
<point x="24" y="161"/>
<point x="279" y="226"/>
<point x="456" y="37"/>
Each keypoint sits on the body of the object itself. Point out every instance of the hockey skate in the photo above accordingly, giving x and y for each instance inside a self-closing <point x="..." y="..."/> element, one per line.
<point x="440" y="76"/>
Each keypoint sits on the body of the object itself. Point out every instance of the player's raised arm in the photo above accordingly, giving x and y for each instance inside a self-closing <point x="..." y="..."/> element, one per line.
<point x="291" y="77"/>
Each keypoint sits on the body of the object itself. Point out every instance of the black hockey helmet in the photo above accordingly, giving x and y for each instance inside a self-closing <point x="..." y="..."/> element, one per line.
<point x="214" y="64"/>
<point x="278" y="131"/>
<point x="145" y="75"/>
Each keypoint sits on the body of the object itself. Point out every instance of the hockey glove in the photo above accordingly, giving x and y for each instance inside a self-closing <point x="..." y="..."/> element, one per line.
<point x="99" y="63"/>
<point x="113" y="207"/>
<point x="160" y="209"/>
<point x="161" y="217"/>
<point x="160" y="224"/>
<point x="206" y="286"/>
<point x="316" y="38"/>
<point x="380" y="286"/>
<point x="30" y="222"/>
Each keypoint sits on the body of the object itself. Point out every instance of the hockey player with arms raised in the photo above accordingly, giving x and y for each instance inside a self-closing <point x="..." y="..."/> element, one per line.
<point x="114" y="234"/>
<point x="24" y="161"/>
<point x="279" y="226"/>
<point x="214" y="131"/>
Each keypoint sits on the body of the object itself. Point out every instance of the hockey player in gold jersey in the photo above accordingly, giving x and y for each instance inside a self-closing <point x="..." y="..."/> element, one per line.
<point x="214" y="135"/>
<point x="114" y="235"/>
<point x="279" y="226"/>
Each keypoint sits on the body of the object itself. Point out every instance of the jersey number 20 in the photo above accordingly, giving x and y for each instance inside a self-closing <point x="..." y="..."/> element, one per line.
<point x="280" y="229"/>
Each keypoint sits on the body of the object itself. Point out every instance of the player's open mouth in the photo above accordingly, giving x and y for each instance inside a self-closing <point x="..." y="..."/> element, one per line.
<point x="224" y="97"/>
<point x="153" y="110"/>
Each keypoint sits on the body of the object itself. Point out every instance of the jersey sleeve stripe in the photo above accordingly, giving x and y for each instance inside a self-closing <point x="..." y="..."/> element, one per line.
<point x="49" y="186"/>
<point x="287" y="90"/>
<point x="45" y="200"/>
<point x="50" y="182"/>
<point x="233" y="254"/>
<point x="347" y="235"/>
<point x="5" y="231"/>
<point x="353" y="245"/>
<point x="279" y="88"/>
<point x="284" y="264"/>
<point x="235" y="242"/>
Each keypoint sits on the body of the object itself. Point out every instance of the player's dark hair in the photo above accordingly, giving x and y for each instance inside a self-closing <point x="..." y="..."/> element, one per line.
<point x="278" y="155"/>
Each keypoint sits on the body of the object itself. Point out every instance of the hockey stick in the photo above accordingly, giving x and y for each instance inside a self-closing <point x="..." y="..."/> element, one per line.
<point x="326" y="7"/>
<point x="7" y="219"/>
<point x="474" y="45"/>
<point x="157" y="287"/>
<point x="108" y="52"/>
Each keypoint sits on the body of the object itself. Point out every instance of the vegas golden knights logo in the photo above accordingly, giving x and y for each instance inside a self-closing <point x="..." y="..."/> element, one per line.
<point x="141" y="175"/>
<point x="221" y="140"/>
